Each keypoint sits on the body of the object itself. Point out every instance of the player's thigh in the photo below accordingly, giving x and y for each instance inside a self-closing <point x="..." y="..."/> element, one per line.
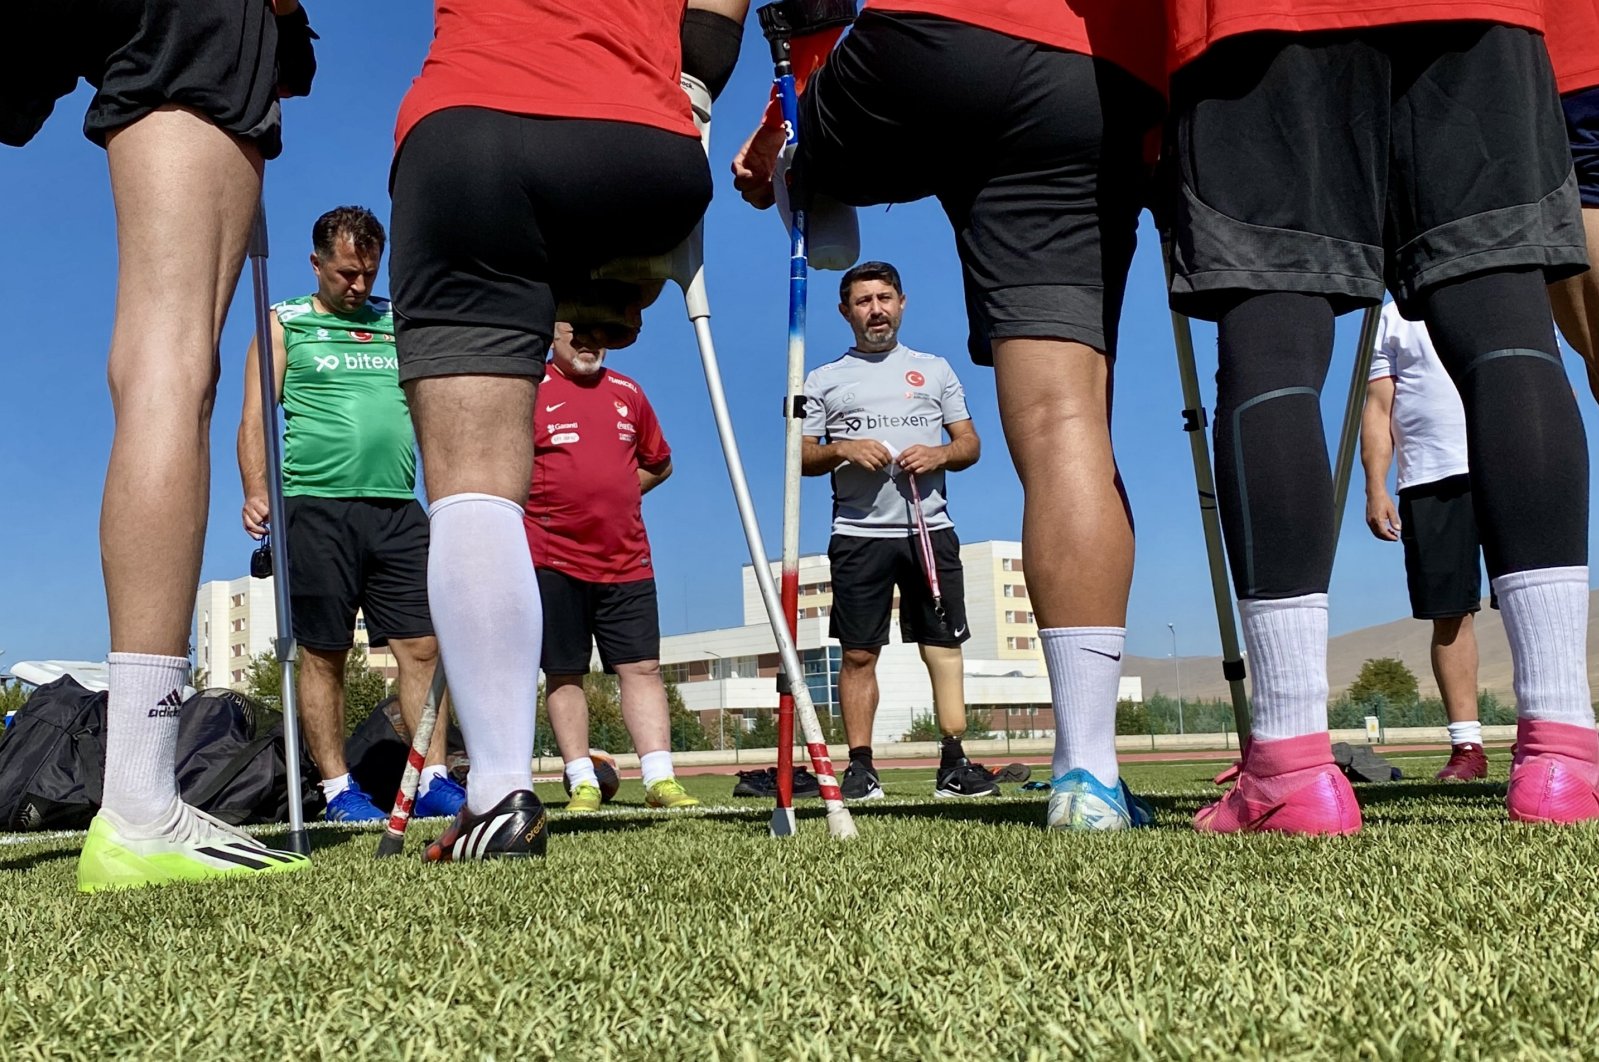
<point x="394" y="591"/>
<point x="568" y="605"/>
<point x="627" y="624"/>
<point x="863" y="573"/>
<point x="324" y="571"/>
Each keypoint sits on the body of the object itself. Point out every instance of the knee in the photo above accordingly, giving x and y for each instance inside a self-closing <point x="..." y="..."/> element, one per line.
<point x="860" y="660"/>
<point x="415" y="652"/>
<point x="639" y="669"/>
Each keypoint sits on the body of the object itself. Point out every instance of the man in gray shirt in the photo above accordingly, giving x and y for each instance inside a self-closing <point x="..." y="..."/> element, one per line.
<point x="884" y="410"/>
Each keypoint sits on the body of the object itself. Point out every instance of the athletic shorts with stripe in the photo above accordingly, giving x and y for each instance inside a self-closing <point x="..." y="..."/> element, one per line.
<point x="493" y="212"/>
<point x="1443" y="551"/>
<point x="1035" y="154"/>
<point x="215" y="57"/>
<point x="346" y="554"/>
<point x="1343" y="163"/>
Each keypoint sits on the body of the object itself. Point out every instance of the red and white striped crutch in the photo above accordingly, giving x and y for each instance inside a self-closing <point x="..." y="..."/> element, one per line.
<point x="393" y="840"/>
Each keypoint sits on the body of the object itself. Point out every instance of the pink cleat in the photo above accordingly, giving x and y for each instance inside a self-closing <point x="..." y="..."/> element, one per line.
<point x="1554" y="776"/>
<point x="1286" y="786"/>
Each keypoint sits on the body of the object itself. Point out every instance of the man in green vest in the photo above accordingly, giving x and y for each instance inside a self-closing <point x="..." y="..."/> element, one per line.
<point x="358" y="537"/>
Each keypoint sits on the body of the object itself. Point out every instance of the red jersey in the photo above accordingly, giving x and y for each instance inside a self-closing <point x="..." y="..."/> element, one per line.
<point x="616" y="60"/>
<point x="1197" y="24"/>
<point x="591" y="435"/>
<point x="1573" y="37"/>
<point x="1129" y="33"/>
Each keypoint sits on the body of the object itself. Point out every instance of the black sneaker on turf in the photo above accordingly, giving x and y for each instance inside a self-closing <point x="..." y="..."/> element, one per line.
<point x="757" y="783"/>
<point x="1011" y="773"/>
<point x="860" y="783"/>
<point x="515" y="828"/>
<point x="965" y="779"/>
<point x="805" y="783"/>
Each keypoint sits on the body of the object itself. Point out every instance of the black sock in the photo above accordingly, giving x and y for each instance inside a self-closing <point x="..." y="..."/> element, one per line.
<point x="861" y="754"/>
<point x="951" y="753"/>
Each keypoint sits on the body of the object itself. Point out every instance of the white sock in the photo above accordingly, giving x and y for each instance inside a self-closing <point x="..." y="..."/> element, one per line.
<point x="490" y="624"/>
<point x="1287" y="643"/>
<point x="656" y="766"/>
<point x="332" y="787"/>
<point x="1546" y="621"/>
<point x="1466" y="733"/>
<point x="141" y="741"/>
<point x="1085" y="669"/>
<point x="430" y="774"/>
<point x="581" y="770"/>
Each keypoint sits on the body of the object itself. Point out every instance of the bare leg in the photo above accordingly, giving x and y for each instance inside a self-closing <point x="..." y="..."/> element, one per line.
<point x="857" y="691"/>
<point x="1576" y="304"/>
<point x="569" y="714"/>
<point x="945" y="670"/>
<point x="1454" y="665"/>
<point x="319" y="680"/>
<point x="186" y="193"/>
<point x="417" y="658"/>
<point x="1077" y="531"/>
<point x="644" y="708"/>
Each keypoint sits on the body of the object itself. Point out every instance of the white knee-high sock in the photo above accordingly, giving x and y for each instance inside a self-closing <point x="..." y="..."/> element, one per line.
<point x="141" y="745"/>
<point x="1287" y="642"/>
<point x="1546" y="622"/>
<point x="490" y="624"/>
<point x="1085" y="668"/>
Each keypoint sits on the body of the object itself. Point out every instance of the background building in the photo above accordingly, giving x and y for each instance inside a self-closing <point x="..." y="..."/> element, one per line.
<point x="236" y="619"/>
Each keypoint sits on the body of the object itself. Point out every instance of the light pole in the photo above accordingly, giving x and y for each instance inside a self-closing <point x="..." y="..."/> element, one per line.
<point x="721" y="707"/>
<point x="1179" y="666"/>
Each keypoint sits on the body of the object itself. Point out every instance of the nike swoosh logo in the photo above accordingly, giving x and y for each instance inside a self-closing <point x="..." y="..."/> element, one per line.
<point x="552" y="409"/>
<point x="1100" y="652"/>
<point x="960" y="632"/>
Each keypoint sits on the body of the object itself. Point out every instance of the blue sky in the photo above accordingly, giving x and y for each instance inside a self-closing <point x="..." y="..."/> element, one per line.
<point x="57" y="284"/>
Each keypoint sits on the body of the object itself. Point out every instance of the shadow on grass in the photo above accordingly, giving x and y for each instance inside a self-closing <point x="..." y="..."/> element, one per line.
<point x="23" y="863"/>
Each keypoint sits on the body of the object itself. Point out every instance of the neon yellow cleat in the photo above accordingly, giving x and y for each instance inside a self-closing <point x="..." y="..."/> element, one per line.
<point x="669" y="793"/>
<point x="584" y="799"/>
<point x="193" y="846"/>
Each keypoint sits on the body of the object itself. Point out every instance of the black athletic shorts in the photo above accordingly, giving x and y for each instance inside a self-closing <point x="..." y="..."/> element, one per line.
<point x="357" y="553"/>
<point x="216" y="57"/>
<point x="1342" y="163"/>
<point x="867" y="571"/>
<point x="1036" y="154"/>
<point x="493" y="211"/>
<point x="622" y="618"/>
<point x="1443" y="553"/>
<point x="1582" y="130"/>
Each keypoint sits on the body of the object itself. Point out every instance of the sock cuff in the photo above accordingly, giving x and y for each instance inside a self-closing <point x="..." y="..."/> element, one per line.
<point x="1523" y="580"/>
<point x="469" y="497"/>
<point x="151" y="660"/>
<point x="1054" y="633"/>
<point x="582" y="764"/>
<point x="1261" y="606"/>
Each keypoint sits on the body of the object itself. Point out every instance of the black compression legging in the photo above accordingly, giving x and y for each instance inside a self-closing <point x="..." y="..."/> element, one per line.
<point x="1526" y="446"/>
<point x="1273" y="482"/>
<point x="1528" y="451"/>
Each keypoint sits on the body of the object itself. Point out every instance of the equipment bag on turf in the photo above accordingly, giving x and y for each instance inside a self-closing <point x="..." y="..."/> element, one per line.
<point x="377" y="750"/>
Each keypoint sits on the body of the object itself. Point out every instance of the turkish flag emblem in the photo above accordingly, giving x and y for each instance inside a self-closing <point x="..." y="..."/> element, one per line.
<point x="915" y="379"/>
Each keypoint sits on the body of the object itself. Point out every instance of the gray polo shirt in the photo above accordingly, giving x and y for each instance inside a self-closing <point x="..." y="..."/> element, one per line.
<point x="901" y="398"/>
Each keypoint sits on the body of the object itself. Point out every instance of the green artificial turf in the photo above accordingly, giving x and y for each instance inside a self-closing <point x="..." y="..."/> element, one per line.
<point x="946" y="930"/>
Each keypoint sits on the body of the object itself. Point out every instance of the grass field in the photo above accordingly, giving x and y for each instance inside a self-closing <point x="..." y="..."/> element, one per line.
<point x="946" y="930"/>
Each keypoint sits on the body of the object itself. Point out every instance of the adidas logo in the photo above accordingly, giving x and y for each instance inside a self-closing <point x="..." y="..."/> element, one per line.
<point x="167" y="706"/>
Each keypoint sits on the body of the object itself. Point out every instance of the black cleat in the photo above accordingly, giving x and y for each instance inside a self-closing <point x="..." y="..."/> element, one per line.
<point x="515" y="828"/>
<point x="757" y="783"/>
<point x="805" y="783"/>
<point x="860" y="783"/>
<point x="965" y="779"/>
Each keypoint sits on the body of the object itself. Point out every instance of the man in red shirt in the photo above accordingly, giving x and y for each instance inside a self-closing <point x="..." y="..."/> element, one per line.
<point x="539" y="142"/>
<point x="1324" y="151"/>
<point x="1573" y="38"/>
<point x="597" y="450"/>
<point x="1028" y="119"/>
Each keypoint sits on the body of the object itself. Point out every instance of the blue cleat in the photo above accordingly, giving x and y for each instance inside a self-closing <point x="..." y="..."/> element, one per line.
<point x="443" y="799"/>
<point x="353" y="805"/>
<point x="1079" y="801"/>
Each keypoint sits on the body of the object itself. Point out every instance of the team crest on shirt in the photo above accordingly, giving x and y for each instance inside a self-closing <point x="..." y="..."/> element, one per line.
<point x="361" y="337"/>
<point x="621" y="407"/>
<point x="914" y="378"/>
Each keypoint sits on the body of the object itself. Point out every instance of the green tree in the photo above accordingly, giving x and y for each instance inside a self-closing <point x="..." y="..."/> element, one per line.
<point x="606" y="728"/>
<point x="1132" y="717"/>
<point x="13" y="695"/>
<point x="263" y="681"/>
<point x="1387" y="678"/>
<point x="363" y="687"/>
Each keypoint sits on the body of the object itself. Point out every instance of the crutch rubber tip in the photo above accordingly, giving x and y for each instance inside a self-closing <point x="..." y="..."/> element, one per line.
<point x="298" y="842"/>
<point x="783" y="822"/>
<point x="840" y="825"/>
<point x="390" y="844"/>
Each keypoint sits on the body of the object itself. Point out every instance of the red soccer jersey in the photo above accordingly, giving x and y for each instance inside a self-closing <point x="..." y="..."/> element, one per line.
<point x="583" y="514"/>
<point x="616" y="60"/>
<point x="1573" y="39"/>
<point x="1197" y="24"/>
<point x="1129" y="33"/>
